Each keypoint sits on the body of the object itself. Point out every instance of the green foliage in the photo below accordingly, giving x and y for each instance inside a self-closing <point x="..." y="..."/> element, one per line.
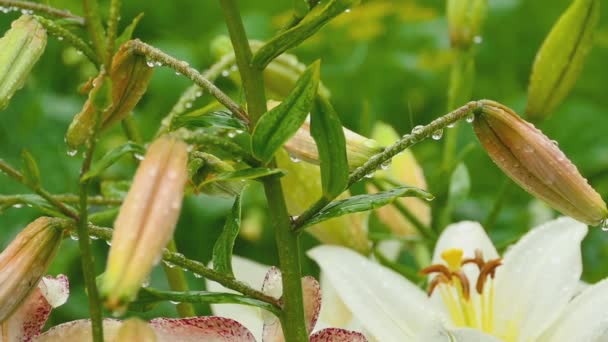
<point x="222" y="250"/>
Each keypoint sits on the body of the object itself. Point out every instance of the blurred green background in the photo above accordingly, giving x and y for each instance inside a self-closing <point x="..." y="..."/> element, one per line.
<point x="386" y="60"/>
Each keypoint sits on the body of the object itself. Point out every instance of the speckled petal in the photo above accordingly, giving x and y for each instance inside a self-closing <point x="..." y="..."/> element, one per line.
<point x="200" y="329"/>
<point x="337" y="335"/>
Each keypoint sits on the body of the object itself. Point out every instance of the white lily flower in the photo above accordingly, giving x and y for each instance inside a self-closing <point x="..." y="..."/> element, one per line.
<point x="526" y="296"/>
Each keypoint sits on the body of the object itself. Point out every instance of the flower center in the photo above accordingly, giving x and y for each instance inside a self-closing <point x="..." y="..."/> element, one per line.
<point x="455" y="289"/>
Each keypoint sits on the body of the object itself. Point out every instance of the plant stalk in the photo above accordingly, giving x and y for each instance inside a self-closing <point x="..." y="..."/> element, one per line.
<point x="95" y="28"/>
<point x="41" y="8"/>
<point x="177" y="282"/>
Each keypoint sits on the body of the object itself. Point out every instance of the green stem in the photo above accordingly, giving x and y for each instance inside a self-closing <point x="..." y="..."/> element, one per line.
<point x="70" y="38"/>
<point x="41" y="8"/>
<point x="131" y="131"/>
<point x="196" y="268"/>
<point x="293" y="323"/>
<point x="112" y="28"/>
<point x="253" y="82"/>
<point x="377" y="160"/>
<point x="95" y="28"/>
<point x="177" y="282"/>
<point x="84" y="242"/>
<point x="501" y="196"/>
<point x="185" y="69"/>
<point x="61" y="199"/>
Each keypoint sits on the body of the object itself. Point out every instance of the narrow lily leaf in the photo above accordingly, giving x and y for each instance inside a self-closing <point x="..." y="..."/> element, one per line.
<point x="220" y="119"/>
<point x="279" y="124"/>
<point x="30" y="170"/>
<point x="460" y="185"/>
<point x="366" y="202"/>
<point x="222" y="250"/>
<point x="112" y="157"/>
<point x="115" y="189"/>
<point x="149" y="295"/>
<point x="245" y="174"/>
<point x="38" y="203"/>
<point x="127" y="34"/>
<point x="327" y="131"/>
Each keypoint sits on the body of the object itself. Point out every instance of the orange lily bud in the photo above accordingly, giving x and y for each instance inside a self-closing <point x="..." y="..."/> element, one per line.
<point x="146" y="221"/>
<point x="25" y="261"/>
<point x="535" y="162"/>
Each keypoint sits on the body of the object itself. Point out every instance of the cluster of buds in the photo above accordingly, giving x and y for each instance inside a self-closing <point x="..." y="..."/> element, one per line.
<point x="146" y="221"/>
<point x="26" y="260"/>
<point x="465" y="19"/>
<point x="561" y="57"/>
<point x="20" y="49"/>
<point x="536" y="163"/>
<point x="128" y="79"/>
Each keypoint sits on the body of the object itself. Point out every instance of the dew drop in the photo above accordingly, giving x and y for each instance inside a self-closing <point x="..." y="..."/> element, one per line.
<point x="196" y="275"/>
<point x="158" y="63"/>
<point x="225" y="73"/>
<point x="72" y="152"/>
<point x="93" y="237"/>
<point x="370" y="175"/>
<point x="146" y="282"/>
<point x="477" y="39"/>
<point x="386" y="165"/>
<point x="168" y="264"/>
<point x="139" y="156"/>
<point x="452" y="125"/>
<point x="294" y="158"/>
<point x="199" y="93"/>
<point x="178" y="73"/>
<point x="418" y="129"/>
<point x="18" y="205"/>
<point x="470" y="117"/>
<point x="231" y="134"/>
<point x="188" y="105"/>
<point x="239" y="131"/>
<point x="555" y="142"/>
<point x="174" y="302"/>
<point x="347" y="10"/>
<point x="604" y="225"/>
<point x="108" y="242"/>
<point x="437" y="134"/>
<point x="59" y="38"/>
<point x="73" y="236"/>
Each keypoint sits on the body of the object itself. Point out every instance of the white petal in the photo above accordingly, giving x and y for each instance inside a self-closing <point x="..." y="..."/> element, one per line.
<point x="585" y="319"/>
<point x="251" y="273"/>
<point x="334" y="313"/>
<point x="388" y="306"/>
<point x="55" y="290"/>
<point x="79" y="331"/>
<point x="472" y="335"/>
<point x="468" y="236"/>
<point x="539" y="276"/>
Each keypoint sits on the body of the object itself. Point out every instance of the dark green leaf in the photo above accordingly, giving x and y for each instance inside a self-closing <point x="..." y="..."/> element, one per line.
<point x="149" y="296"/>
<point x="38" y="203"/>
<point x="221" y="119"/>
<point x="112" y="157"/>
<point x="30" y="171"/>
<point x="365" y="202"/>
<point x="128" y="32"/>
<point x="460" y="185"/>
<point x="115" y="189"/>
<point x="327" y="131"/>
<point x="280" y="123"/>
<point x="222" y="250"/>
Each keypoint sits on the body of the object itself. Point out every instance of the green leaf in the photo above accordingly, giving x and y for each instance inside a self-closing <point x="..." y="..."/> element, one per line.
<point x="128" y="31"/>
<point x="460" y="185"/>
<point x="222" y="250"/>
<point x="327" y="131"/>
<point x="30" y="170"/>
<point x="244" y="174"/>
<point x="38" y="203"/>
<point x="201" y="118"/>
<point x="279" y="124"/>
<point x="365" y="202"/>
<point x="112" y="157"/>
<point x="149" y="296"/>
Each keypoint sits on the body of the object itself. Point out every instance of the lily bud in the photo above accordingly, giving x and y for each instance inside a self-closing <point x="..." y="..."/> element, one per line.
<point x="404" y="169"/>
<point x="129" y="77"/>
<point x="20" y="49"/>
<point x="134" y="329"/>
<point x="560" y="59"/>
<point x="358" y="148"/>
<point x="535" y="162"/>
<point x="146" y="221"/>
<point x="25" y="261"/>
<point x="465" y="19"/>
<point x="304" y="183"/>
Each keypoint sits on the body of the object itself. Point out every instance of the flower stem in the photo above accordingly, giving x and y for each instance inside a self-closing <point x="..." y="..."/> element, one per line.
<point x="112" y="28"/>
<point x="377" y="160"/>
<point x="95" y="28"/>
<point x="293" y="323"/>
<point x="177" y="282"/>
<point x="185" y="69"/>
<point x="84" y="242"/>
<point x="41" y="8"/>
<point x="61" y="199"/>
<point x="70" y="38"/>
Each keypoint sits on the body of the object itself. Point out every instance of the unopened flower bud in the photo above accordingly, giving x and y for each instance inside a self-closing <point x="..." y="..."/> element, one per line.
<point x="25" y="261"/>
<point x="304" y="183"/>
<point x="465" y="19"/>
<point x="134" y="329"/>
<point x="129" y="78"/>
<point x="560" y="59"/>
<point x="20" y="49"/>
<point x="535" y="162"/>
<point x="204" y="168"/>
<point x="146" y="221"/>
<point x="359" y="149"/>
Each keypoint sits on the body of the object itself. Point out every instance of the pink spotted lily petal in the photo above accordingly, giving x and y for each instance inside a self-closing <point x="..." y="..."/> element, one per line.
<point x="27" y="322"/>
<point x="200" y="329"/>
<point x="337" y="335"/>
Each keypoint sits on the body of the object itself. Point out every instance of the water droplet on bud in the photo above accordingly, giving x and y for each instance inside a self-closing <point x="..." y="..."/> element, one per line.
<point x="470" y="117"/>
<point x="418" y="129"/>
<point x="386" y="165"/>
<point x="437" y="134"/>
<point x="294" y="158"/>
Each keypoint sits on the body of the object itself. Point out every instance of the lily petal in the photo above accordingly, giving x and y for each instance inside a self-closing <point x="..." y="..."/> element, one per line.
<point x="585" y="319"/>
<point x="78" y="331"/>
<point x="337" y="335"/>
<point x="388" y="306"/>
<point x="312" y="304"/>
<point x="200" y="329"/>
<point x="251" y="273"/>
<point x="539" y="276"/>
<point x="472" y="335"/>
<point x="27" y="322"/>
